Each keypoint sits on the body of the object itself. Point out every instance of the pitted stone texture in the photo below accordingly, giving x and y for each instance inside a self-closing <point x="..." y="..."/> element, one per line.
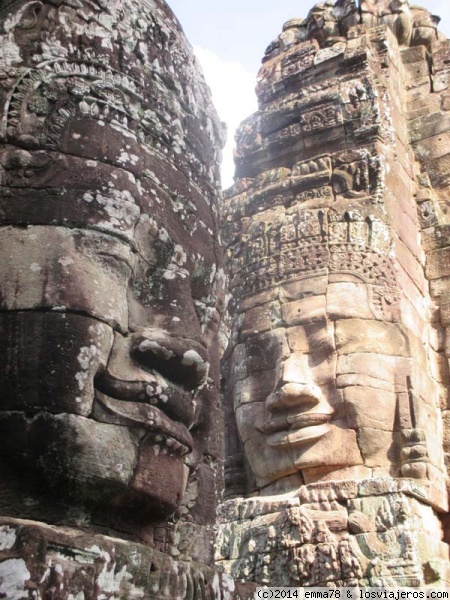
<point x="69" y="563"/>
<point x="336" y="233"/>
<point x="324" y="251"/>
<point x="334" y="534"/>
<point x="111" y="286"/>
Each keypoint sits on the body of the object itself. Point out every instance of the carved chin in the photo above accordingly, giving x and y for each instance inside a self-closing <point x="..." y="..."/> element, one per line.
<point x="106" y="465"/>
<point x="160" y="477"/>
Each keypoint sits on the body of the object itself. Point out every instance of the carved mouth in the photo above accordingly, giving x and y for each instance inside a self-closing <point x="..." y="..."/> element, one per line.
<point x="173" y="401"/>
<point x="295" y="419"/>
<point x="168" y="436"/>
<point x="297" y="429"/>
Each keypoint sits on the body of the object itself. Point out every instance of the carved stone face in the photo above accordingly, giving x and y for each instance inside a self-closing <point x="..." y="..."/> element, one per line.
<point x="326" y="360"/>
<point x="317" y="388"/>
<point x="111" y="288"/>
<point x="109" y="340"/>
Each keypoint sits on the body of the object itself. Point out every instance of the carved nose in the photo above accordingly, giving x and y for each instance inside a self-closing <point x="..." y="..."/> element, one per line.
<point x="182" y="361"/>
<point x="301" y="395"/>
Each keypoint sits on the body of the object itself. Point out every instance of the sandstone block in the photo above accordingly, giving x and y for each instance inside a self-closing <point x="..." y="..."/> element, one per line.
<point x="429" y="126"/>
<point x="446" y="430"/>
<point x="380" y="448"/>
<point x="422" y="383"/>
<point x="158" y="475"/>
<point x="296" y="290"/>
<point x="238" y="366"/>
<point x="260" y="319"/>
<point x="36" y="345"/>
<point x="378" y="366"/>
<point x="412" y="294"/>
<point x="411" y="264"/>
<point x="346" y="299"/>
<point x="441" y="81"/>
<point x="259" y="299"/>
<point x="358" y="335"/>
<point x="438" y="264"/>
<point x="433" y="147"/>
<point x="255" y="388"/>
<point x="411" y="318"/>
<point x="336" y="449"/>
<point x="439" y="169"/>
<point x="358" y="379"/>
<point x="314" y="368"/>
<point x="412" y="56"/>
<point x="252" y="416"/>
<point x="321" y="474"/>
<point x="315" y="338"/>
<point x="307" y="310"/>
<point x="436" y="337"/>
<point x="268" y="463"/>
<point x="76" y="471"/>
<point x="370" y="407"/>
<point x="54" y="267"/>
<point x="68" y="191"/>
<point x="439" y="369"/>
<point x="266" y="350"/>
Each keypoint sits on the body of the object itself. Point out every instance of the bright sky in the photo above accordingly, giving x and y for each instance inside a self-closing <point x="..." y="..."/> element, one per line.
<point x="229" y="38"/>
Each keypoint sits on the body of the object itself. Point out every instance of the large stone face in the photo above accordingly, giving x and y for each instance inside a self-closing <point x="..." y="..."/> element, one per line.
<point x="111" y="280"/>
<point x="335" y="371"/>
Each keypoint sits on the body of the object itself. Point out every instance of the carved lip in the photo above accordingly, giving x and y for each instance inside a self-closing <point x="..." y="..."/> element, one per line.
<point x="295" y="417"/>
<point x="291" y="423"/>
<point x="297" y="429"/>
<point x="167" y="432"/>
<point x="164" y="409"/>
<point x="298" y="436"/>
<point x="173" y="401"/>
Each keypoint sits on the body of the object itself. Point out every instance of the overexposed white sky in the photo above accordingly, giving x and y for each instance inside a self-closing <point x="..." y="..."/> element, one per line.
<point x="229" y="39"/>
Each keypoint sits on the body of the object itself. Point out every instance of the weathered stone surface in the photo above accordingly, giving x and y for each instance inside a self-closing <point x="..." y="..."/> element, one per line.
<point x="349" y="379"/>
<point x="373" y="365"/>
<point x="357" y="335"/>
<point x="61" y="446"/>
<point x="346" y="300"/>
<point x="53" y="268"/>
<point x="296" y="290"/>
<point x="261" y="319"/>
<point x="33" y="340"/>
<point x="255" y="388"/>
<point x="380" y="448"/>
<point x="269" y="463"/>
<point x="70" y="563"/>
<point x="370" y="407"/>
<point x="329" y="537"/>
<point x="111" y="296"/>
<point x="339" y="221"/>
<point x="307" y="310"/>
<point x="313" y="369"/>
<point x="315" y="338"/>
<point x="266" y="350"/>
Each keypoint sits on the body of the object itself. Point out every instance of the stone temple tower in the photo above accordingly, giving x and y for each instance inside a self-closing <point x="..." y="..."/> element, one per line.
<point x="111" y="287"/>
<point x="338" y="250"/>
